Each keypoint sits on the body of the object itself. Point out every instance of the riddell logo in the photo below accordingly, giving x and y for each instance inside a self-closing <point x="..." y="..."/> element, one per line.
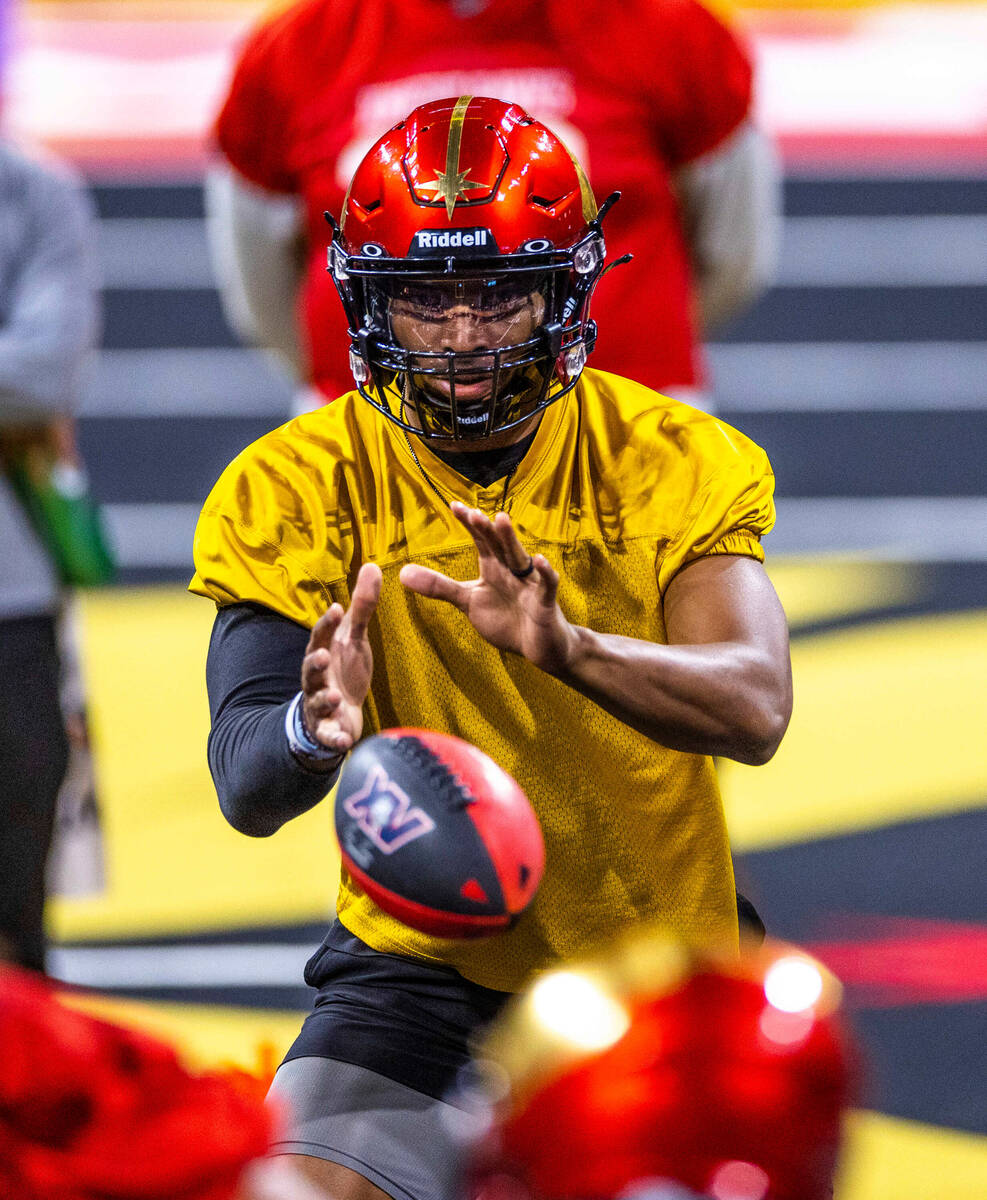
<point x="439" y="241"/>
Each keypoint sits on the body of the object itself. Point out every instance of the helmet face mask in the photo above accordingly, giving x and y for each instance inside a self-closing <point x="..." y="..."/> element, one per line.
<point x="468" y="313"/>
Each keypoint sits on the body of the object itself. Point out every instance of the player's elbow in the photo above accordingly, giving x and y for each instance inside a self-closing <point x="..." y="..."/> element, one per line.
<point x="761" y="715"/>
<point x="756" y="747"/>
<point x="242" y="801"/>
<point x="759" y="734"/>
<point x="248" y="818"/>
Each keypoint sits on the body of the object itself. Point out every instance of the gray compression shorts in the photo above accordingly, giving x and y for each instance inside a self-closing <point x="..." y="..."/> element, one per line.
<point x="410" y="1145"/>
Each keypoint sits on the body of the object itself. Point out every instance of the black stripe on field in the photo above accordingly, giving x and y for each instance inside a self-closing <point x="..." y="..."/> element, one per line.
<point x="925" y="1062"/>
<point x="928" y="869"/>
<point x="193" y="317"/>
<point x="145" y="576"/>
<point x="863" y="314"/>
<point x="846" y="195"/>
<point x="162" y="459"/>
<point x="149" y="200"/>
<point x="307" y="934"/>
<point x="153" y="319"/>
<point x="872" y="453"/>
<point x="808" y="196"/>
<point x="291" y="997"/>
<point x="939" y="588"/>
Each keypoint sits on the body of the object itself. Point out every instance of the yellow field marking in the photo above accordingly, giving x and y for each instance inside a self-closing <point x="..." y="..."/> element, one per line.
<point x="824" y="590"/>
<point x="888" y="726"/>
<point x="891" y="1159"/>
<point x="206" y="1036"/>
<point x="173" y="863"/>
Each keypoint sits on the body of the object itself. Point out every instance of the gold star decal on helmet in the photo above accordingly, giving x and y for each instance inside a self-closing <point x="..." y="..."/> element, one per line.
<point x="449" y="187"/>
<point x="451" y="184"/>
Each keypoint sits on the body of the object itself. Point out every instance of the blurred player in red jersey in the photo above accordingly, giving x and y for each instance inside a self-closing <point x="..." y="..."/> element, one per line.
<point x="91" y="1109"/>
<point x="660" y="1074"/>
<point x="652" y="96"/>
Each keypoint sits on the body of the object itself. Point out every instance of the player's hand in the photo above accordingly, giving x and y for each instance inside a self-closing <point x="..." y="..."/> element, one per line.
<point x="509" y="605"/>
<point x="338" y="666"/>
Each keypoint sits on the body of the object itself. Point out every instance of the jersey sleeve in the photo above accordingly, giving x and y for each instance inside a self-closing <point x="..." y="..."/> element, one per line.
<point x="254" y="127"/>
<point x="257" y="541"/>
<point x="733" y="507"/>
<point x="702" y="84"/>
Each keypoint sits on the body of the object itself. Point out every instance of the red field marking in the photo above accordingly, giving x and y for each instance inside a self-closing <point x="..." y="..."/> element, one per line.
<point x="892" y="961"/>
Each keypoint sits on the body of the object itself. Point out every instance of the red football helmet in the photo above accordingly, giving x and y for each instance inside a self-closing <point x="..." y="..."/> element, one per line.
<point x="466" y="257"/>
<point x="661" y="1075"/>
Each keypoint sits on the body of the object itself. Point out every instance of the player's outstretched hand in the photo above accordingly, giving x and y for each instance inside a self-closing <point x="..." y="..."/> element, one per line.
<point x="512" y="604"/>
<point x="338" y="666"/>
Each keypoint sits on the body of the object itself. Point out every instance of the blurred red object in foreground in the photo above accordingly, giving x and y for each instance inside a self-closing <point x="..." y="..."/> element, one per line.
<point x="89" y="1108"/>
<point x="664" y="1074"/>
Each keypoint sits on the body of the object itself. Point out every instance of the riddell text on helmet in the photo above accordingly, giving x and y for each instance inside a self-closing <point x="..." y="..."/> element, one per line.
<point x="477" y="239"/>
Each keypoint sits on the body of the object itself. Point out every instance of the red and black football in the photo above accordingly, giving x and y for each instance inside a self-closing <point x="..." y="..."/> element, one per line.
<point x="438" y="834"/>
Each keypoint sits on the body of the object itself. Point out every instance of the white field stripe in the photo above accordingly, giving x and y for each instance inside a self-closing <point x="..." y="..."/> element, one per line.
<point x="154" y="252"/>
<point x="913" y="528"/>
<point x="936" y="251"/>
<point x="753" y="376"/>
<point x="187" y="383"/>
<point x="152" y="535"/>
<point x="248" y="965"/>
<point x="902" y="529"/>
<point x="844" y="376"/>
<point x="838" y="251"/>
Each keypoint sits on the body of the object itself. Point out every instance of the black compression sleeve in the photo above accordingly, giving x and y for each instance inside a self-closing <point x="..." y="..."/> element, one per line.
<point x="252" y="673"/>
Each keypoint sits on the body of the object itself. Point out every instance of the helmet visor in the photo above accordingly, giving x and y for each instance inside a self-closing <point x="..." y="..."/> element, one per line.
<point x="468" y="347"/>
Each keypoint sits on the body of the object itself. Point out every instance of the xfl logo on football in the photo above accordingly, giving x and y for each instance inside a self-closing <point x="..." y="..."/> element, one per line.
<point x="385" y="814"/>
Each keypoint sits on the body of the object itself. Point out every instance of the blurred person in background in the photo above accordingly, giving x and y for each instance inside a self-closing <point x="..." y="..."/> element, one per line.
<point x="92" y="1110"/>
<point x="48" y="327"/>
<point x="665" y="1074"/>
<point x="652" y="96"/>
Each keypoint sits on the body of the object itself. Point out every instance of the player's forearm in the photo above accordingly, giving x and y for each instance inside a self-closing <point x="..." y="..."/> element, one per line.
<point x="252" y="675"/>
<point x="726" y="699"/>
<point x="259" y="783"/>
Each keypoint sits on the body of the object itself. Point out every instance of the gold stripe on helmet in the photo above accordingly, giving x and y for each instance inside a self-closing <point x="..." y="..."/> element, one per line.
<point x="451" y="184"/>
<point x="590" y="207"/>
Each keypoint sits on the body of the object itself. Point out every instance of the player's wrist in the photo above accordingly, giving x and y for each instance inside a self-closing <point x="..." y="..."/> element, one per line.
<point x="304" y="747"/>
<point x="570" y="648"/>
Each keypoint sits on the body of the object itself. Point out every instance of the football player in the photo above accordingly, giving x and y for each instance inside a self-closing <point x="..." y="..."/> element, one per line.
<point x="484" y="538"/>
<point x="660" y="1074"/>
<point x="654" y="97"/>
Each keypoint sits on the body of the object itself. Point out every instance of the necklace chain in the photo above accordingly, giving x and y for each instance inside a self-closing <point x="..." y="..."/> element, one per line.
<point x="424" y="474"/>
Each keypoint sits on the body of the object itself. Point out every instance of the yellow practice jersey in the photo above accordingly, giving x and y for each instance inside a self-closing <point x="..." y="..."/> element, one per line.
<point x="620" y="488"/>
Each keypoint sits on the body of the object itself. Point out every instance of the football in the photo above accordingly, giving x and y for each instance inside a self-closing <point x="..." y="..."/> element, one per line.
<point x="437" y="834"/>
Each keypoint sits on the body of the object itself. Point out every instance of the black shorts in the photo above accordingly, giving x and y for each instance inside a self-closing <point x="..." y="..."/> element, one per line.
<point x="408" y="1020"/>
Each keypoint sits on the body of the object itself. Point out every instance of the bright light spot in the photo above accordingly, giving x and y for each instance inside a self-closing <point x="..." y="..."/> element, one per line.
<point x="573" y="1007"/>
<point x="793" y="984"/>
<point x="738" y="1181"/>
